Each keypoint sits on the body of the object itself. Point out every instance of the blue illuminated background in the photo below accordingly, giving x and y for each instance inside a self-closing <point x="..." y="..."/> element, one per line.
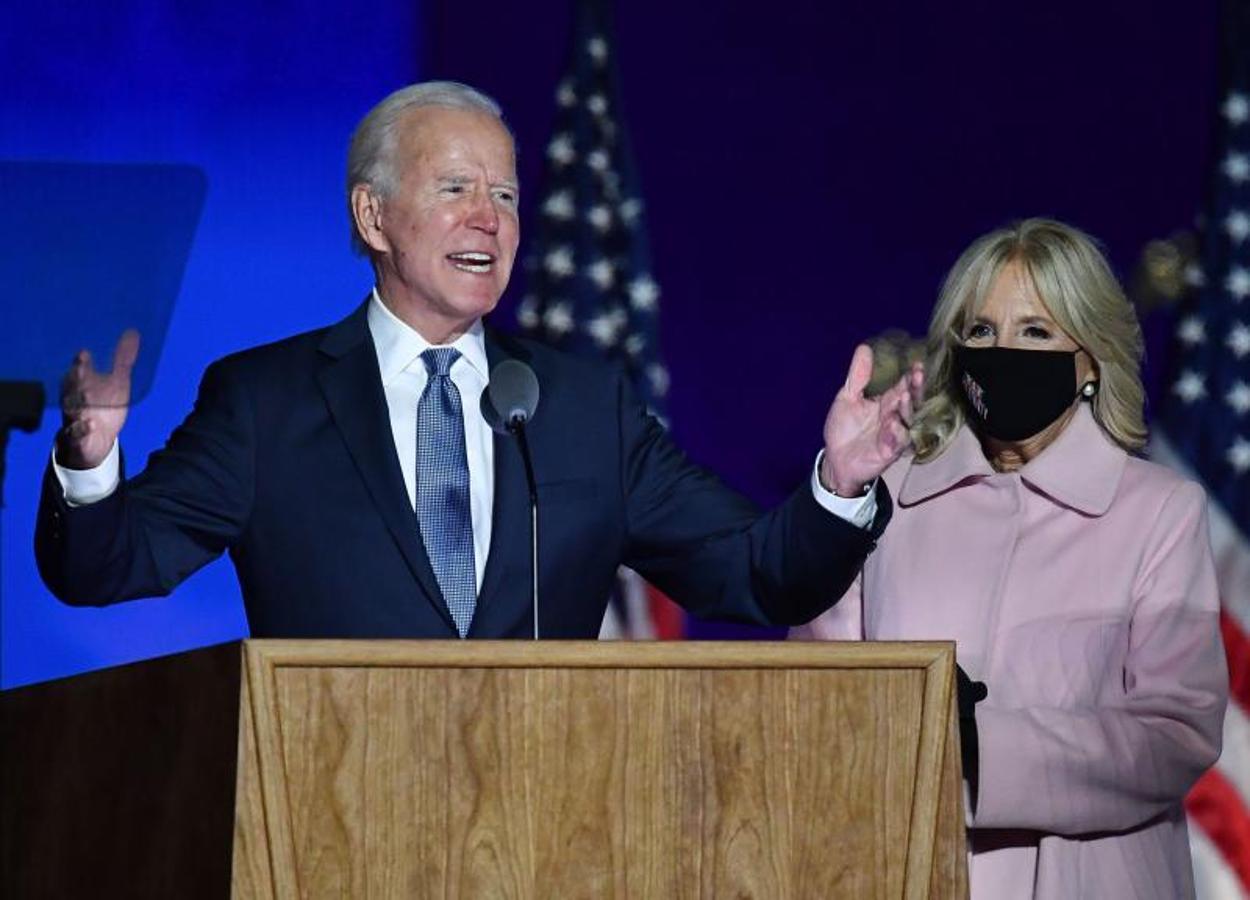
<point x="262" y="98"/>
<point x="810" y="171"/>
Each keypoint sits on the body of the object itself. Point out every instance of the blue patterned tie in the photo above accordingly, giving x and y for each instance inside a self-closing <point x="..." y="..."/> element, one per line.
<point x="443" y="487"/>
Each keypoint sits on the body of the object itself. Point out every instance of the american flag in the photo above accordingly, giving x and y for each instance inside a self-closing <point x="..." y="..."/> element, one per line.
<point x="589" y="288"/>
<point x="1205" y="421"/>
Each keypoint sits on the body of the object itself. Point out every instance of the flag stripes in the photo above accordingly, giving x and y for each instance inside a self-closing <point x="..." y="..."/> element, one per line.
<point x="1218" y="807"/>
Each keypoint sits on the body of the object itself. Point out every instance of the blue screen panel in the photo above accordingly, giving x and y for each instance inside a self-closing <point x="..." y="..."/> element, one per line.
<point x="255" y="104"/>
<point x="90" y="261"/>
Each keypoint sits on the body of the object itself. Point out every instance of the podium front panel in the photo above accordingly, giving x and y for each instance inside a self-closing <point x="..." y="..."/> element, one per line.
<point x="441" y="769"/>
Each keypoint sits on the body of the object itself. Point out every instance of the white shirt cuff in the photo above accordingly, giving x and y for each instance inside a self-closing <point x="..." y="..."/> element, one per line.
<point x="859" y="511"/>
<point x="84" y="486"/>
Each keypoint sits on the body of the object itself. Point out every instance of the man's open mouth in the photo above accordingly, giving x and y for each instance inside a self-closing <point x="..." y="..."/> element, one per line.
<point x="478" y="263"/>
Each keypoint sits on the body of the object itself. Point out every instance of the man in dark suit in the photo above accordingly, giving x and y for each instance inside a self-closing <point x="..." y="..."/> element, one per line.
<point x="351" y="475"/>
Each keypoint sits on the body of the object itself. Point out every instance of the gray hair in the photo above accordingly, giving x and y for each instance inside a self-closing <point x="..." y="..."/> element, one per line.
<point x="370" y="156"/>
<point x="1075" y="283"/>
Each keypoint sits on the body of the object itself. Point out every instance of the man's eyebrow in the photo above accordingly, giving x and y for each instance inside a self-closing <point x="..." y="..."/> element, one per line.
<point x="509" y="183"/>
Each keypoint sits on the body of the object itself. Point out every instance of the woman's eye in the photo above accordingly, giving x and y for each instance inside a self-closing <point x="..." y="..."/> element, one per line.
<point x="1040" y="334"/>
<point x="980" y="330"/>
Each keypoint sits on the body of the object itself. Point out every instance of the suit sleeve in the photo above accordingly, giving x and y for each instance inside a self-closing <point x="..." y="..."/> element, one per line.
<point x="843" y="622"/>
<point x="710" y="549"/>
<point x="189" y="505"/>
<point x="1116" y="765"/>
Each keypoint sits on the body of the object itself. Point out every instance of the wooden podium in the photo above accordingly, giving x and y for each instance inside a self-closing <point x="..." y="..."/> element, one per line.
<point x="490" y="769"/>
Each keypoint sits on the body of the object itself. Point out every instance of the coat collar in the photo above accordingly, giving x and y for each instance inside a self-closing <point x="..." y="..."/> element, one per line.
<point x="507" y="563"/>
<point x="1081" y="469"/>
<point x="349" y="334"/>
<point x="352" y="386"/>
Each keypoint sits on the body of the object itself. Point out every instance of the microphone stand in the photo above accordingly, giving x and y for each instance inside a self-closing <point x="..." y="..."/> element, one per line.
<point x="516" y="425"/>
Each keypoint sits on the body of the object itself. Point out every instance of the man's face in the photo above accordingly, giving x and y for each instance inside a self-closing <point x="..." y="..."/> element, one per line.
<point x="449" y="231"/>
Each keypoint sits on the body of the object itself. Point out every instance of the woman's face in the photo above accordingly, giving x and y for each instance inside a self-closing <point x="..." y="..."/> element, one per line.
<point x="1013" y="316"/>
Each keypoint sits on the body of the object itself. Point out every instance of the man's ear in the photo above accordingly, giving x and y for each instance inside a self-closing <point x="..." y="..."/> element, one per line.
<point x="367" y="212"/>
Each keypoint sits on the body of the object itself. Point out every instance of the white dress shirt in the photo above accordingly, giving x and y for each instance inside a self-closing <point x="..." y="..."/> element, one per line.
<point x="404" y="376"/>
<point x="399" y="350"/>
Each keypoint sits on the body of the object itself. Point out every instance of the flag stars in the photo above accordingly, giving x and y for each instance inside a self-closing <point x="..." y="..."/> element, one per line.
<point x="630" y="210"/>
<point x="1237" y="225"/>
<point x="558" y="319"/>
<point x="594" y="293"/>
<point x="559" y="262"/>
<point x="1238" y="397"/>
<point x="560" y="150"/>
<point x="1239" y="340"/>
<point x="1236" y="108"/>
<point x="602" y="331"/>
<point x="560" y="206"/>
<point x="643" y="293"/>
<point x="606" y="327"/>
<point x="598" y="160"/>
<point x="1238" y="455"/>
<point x="1236" y="167"/>
<point x="527" y="312"/>
<point x="601" y="273"/>
<point x="1192" y="331"/>
<point x="1194" y="276"/>
<point x="600" y="217"/>
<point x="1190" y="387"/>
<point x="1238" y="283"/>
<point x="657" y="377"/>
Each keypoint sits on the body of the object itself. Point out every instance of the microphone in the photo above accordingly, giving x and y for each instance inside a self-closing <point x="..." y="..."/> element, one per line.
<point x="508" y="403"/>
<point x="513" y="391"/>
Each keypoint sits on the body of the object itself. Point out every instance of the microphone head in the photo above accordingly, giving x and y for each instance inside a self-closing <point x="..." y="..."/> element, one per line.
<point x="511" y="397"/>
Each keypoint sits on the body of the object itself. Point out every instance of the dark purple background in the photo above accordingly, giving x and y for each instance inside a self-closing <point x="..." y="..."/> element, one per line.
<point x="811" y="170"/>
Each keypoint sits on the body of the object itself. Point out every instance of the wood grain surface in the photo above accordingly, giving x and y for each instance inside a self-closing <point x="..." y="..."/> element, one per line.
<point x="251" y="876"/>
<point x="520" y="770"/>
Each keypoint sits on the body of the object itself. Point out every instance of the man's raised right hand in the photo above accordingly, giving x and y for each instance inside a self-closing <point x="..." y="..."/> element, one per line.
<point x="94" y="405"/>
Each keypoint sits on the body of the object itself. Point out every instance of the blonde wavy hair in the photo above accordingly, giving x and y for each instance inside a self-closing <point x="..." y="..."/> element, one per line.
<point x="1076" y="285"/>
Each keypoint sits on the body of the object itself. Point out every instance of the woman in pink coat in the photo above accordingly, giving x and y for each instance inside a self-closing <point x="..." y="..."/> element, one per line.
<point x="1075" y="577"/>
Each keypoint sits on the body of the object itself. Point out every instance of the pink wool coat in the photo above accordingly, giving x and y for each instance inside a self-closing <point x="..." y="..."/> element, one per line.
<point x="1081" y="590"/>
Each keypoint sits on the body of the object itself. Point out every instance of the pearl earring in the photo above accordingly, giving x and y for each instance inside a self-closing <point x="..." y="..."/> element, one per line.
<point x="1089" y="389"/>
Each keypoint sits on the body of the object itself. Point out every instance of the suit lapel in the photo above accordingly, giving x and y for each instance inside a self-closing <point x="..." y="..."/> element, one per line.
<point x="509" y="533"/>
<point x="352" y="387"/>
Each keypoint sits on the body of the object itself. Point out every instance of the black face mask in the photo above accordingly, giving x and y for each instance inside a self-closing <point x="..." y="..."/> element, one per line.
<point x="1013" y="394"/>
